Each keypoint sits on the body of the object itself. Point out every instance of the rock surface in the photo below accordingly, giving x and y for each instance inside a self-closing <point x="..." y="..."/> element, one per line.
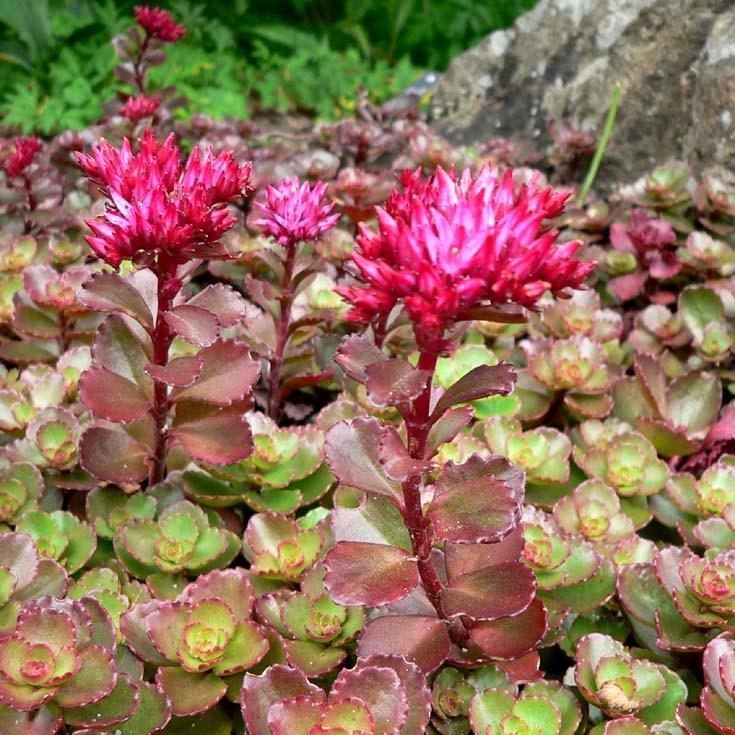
<point x="675" y="60"/>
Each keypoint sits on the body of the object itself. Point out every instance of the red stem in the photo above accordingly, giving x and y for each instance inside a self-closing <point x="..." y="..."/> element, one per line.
<point x="31" y="201"/>
<point x="418" y="426"/>
<point x="284" y="321"/>
<point x="162" y="337"/>
<point x="138" y="71"/>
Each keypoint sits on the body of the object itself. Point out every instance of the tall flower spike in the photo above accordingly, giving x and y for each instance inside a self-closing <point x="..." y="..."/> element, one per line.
<point x="295" y="211"/>
<point x="25" y="150"/>
<point x="159" y="23"/>
<point x="156" y="205"/>
<point x="136" y="108"/>
<point x="448" y="244"/>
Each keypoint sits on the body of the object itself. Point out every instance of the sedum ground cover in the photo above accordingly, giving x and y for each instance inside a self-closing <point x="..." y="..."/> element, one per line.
<point x="344" y="431"/>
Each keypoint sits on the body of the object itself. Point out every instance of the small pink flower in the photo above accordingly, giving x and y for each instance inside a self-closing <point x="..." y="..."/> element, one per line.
<point x="447" y="244"/>
<point x="156" y="205"/>
<point x="295" y="211"/>
<point x="159" y="23"/>
<point x="25" y="151"/>
<point x="136" y="108"/>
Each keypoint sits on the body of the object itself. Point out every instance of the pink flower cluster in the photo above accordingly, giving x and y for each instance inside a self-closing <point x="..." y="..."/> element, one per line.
<point x="25" y="150"/>
<point x="137" y="108"/>
<point x="447" y="244"/>
<point x="157" y="205"/>
<point x="159" y="23"/>
<point x="295" y="212"/>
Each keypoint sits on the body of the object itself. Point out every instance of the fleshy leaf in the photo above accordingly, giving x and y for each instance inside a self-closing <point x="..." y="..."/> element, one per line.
<point x="369" y="574"/>
<point x="420" y="639"/>
<point x="480" y="382"/>
<point x="478" y="501"/>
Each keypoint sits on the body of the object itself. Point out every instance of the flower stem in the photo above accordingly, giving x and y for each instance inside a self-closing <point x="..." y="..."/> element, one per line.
<point x="284" y="322"/>
<point x="418" y="425"/>
<point x="162" y="337"/>
<point x="601" y="145"/>
<point x="138" y="70"/>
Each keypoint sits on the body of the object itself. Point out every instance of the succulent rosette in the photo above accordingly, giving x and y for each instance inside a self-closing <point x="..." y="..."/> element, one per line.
<point x="581" y="315"/>
<point x="25" y="575"/>
<point x="21" y="486"/>
<point x="659" y="406"/>
<point x="620" y="685"/>
<point x="702" y="509"/>
<point x="542" y="453"/>
<point x="593" y="511"/>
<point x="279" y="547"/>
<point x="453" y="690"/>
<point x="544" y="707"/>
<point x="570" y="573"/>
<point x="575" y="367"/>
<point x="314" y="631"/>
<point x="628" y="462"/>
<point x="180" y="541"/>
<point x="381" y="695"/>
<point x="60" y="536"/>
<point x="197" y="639"/>
<point x="284" y="471"/>
<point x="58" y="666"/>
<point x="718" y="695"/>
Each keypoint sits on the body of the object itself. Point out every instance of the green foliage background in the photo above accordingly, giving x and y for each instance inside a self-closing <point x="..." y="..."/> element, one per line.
<point x="56" y="62"/>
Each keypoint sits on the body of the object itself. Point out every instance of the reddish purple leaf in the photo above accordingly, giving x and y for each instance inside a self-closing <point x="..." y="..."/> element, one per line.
<point x="355" y="355"/>
<point x="398" y="464"/>
<point x="377" y="521"/>
<point x="420" y="639"/>
<point x="512" y="637"/>
<point x="194" y="324"/>
<point x="107" y="292"/>
<point x="112" y="397"/>
<point x="413" y="680"/>
<point x="190" y="693"/>
<point x="490" y="593"/>
<point x="352" y="453"/>
<point x="213" y="434"/>
<point x="692" y="721"/>
<point x="628" y="286"/>
<point x="478" y="501"/>
<point x="295" y="715"/>
<point x="464" y="558"/>
<point x="652" y="377"/>
<point x="223" y="301"/>
<point x="227" y="376"/>
<point x="259" y="693"/>
<point x="480" y="382"/>
<point x="126" y="353"/>
<point x="717" y="712"/>
<point x="180" y="372"/>
<point x="497" y="313"/>
<point x="447" y="427"/>
<point x="369" y="574"/>
<point x="380" y="689"/>
<point x="392" y="382"/>
<point x="114" y="455"/>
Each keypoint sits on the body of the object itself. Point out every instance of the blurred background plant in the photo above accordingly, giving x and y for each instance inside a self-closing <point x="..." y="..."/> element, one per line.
<point x="238" y="58"/>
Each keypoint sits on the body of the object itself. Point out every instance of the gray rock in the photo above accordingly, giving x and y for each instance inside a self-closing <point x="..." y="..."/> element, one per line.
<point x="675" y="60"/>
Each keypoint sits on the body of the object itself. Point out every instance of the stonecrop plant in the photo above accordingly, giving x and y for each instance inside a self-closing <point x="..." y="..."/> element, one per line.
<point x="355" y="432"/>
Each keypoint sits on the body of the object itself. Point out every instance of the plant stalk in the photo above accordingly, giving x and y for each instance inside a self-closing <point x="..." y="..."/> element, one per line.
<point x="284" y="322"/>
<point x="418" y="425"/>
<point x="162" y="337"/>
<point x="601" y="145"/>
